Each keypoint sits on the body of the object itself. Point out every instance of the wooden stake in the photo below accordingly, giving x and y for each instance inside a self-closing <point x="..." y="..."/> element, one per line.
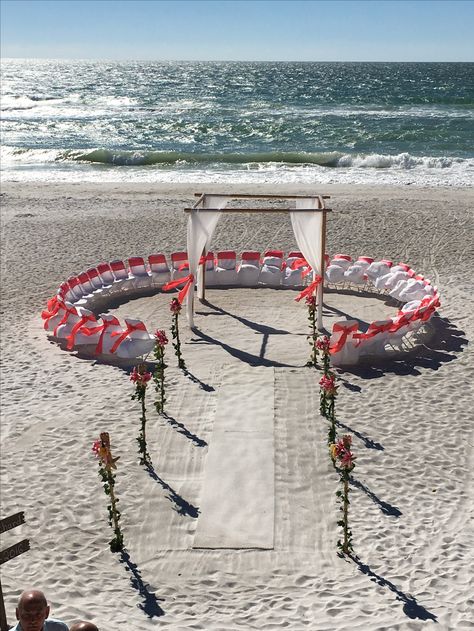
<point x="323" y="264"/>
<point x="202" y="295"/>
<point x="4" y="626"/>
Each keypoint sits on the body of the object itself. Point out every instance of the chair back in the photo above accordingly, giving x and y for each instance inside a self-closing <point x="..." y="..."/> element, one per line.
<point x="119" y="270"/>
<point x="158" y="263"/>
<point x="226" y="259"/>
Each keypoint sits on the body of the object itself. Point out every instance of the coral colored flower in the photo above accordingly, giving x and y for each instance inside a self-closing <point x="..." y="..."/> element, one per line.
<point x="322" y="344"/>
<point x="328" y="384"/>
<point x="160" y="337"/>
<point x="311" y="301"/>
<point x="175" y="306"/>
<point x="347" y="459"/>
<point x="347" y="441"/>
<point x="140" y="378"/>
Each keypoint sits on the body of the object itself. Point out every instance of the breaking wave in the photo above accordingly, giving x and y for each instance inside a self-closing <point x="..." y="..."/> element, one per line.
<point x="332" y="159"/>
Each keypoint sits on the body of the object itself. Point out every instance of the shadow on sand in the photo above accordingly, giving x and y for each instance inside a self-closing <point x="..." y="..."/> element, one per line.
<point x="368" y="442"/>
<point x="243" y="356"/>
<point x="181" y="506"/>
<point x="411" y="607"/>
<point x="385" y="507"/>
<point x="199" y="442"/>
<point x="149" y="604"/>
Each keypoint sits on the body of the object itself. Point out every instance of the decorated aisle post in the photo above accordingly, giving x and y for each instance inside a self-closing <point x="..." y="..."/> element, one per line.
<point x="140" y="377"/>
<point x="312" y="310"/>
<point x="341" y="453"/>
<point x="175" y="308"/>
<point x="159" y="375"/>
<point x="328" y="389"/>
<point x="101" y="448"/>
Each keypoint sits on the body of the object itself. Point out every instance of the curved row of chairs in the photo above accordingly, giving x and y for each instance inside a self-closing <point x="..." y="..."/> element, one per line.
<point x="418" y="297"/>
<point x="70" y="313"/>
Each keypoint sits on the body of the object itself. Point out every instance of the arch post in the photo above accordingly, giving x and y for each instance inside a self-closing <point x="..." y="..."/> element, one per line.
<point x="323" y="265"/>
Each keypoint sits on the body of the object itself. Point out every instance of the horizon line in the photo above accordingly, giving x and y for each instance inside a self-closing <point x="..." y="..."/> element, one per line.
<point x="251" y="61"/>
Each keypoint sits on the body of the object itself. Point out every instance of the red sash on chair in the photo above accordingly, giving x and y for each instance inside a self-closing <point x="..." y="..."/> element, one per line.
<point x="372" y="332"/>
<point x="298" y="263"/>
<point x="75" y="330"/>
<point x="309" y="289"/>
<point x="67" y="312"/>
<point x="402" y="320"/>
<point x="122" y="335"/>
<point x="187" y="281"/>
<point x="102" y="327"/>
<point x="53" y="306"/>
<point x="344" y="330"/>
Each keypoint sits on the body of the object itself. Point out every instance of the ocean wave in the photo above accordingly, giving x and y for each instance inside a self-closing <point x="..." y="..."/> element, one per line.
<point x="332" y="159"/>
<point x="11" y="102"/>
<point x="176" y="159"/>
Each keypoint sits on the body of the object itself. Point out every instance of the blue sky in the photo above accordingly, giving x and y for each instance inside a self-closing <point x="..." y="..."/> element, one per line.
<point x="337" y="30"/>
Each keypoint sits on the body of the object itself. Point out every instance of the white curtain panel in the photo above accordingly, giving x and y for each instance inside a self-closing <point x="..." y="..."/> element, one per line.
<point x="307" y="228"/>
<point x="201" y="227"/>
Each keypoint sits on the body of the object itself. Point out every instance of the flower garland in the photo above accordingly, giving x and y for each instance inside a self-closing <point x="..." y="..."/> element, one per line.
<point x="101" y="448"/>
<point x="339" y="450"/>
<point x="140" y="377"/>
<point x="175" y="308"/>
<point x="311" y="304"/>
<point x="341" y="454"/>
<point x="159" y="374"/>
<point x="327" y="388"/>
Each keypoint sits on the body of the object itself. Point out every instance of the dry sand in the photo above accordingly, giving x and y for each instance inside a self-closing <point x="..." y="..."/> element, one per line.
<point x="411" y="421"/>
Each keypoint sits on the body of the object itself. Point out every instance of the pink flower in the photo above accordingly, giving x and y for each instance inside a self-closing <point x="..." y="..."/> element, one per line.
<point x="322" y="343"/>
<point x="347" y="441"/>
<point x="175" y="306"/>
<point x="311" y="301"/>
<point x="140" y="376"/>
<point x="328" y="384"/>
<point x="347" y="459"/>
<point x="160" y="337"/>
<point x="96" y="445"/>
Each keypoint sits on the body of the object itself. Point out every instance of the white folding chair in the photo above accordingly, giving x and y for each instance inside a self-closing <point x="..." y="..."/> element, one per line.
<point x="271" y="270"/>
<point x="225" y="271"/>
<point x="249" y="269"/>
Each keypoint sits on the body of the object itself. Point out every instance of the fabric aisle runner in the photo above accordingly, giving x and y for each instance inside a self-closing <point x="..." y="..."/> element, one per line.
<point x="237" y="506"/>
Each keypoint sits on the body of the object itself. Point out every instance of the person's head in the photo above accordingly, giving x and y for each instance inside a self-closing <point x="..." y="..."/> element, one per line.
<point x="32" y="610"/>
<point x="83" y="626"/>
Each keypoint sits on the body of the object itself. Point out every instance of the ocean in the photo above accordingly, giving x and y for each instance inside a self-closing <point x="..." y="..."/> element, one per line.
<point x="237" y="122"/>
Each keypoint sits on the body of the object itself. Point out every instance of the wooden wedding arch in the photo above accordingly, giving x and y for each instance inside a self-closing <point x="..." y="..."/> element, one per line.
<point x="316" y="204"/>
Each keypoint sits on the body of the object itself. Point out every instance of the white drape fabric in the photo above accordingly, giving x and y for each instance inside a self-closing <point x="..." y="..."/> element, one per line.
<point x="307" y="229"/>
<point x="200" y="229"/>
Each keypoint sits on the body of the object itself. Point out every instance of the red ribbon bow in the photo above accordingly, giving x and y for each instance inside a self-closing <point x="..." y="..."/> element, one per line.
<point x="67" y="312"/>
<point x="309" y="289"/>
<point x="374" y="329"/>
<point x="402" y="320"/>
<point x="300" y="263"/>
<point x="122" y="335"/>
<point x="344" y="330"/>
<point x="75" y="329"/>
<point x="187" y="281"/>
<point x="53" y="306"/>
<point x="102" y="327"/>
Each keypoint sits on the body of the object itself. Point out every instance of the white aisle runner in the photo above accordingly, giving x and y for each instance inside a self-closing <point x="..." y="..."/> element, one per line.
<point x="237" y="507"/>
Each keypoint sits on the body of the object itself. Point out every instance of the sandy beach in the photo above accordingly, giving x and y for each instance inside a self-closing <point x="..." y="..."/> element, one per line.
<point x="411" y="420"/>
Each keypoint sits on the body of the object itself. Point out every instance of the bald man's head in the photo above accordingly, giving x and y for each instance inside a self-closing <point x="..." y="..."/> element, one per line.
<point x="32" y="610"/>
<point x="83" y="626"/>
